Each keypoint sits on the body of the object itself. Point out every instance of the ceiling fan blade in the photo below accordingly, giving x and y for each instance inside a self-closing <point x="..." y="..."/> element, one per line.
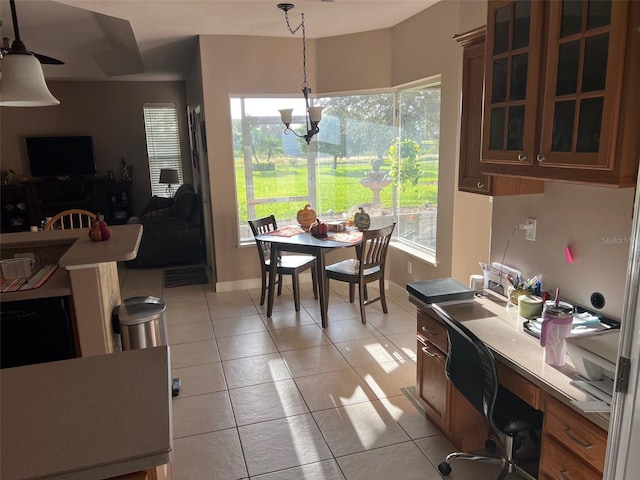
<point x="45" y="60"/>
<point x="18" y="46"/>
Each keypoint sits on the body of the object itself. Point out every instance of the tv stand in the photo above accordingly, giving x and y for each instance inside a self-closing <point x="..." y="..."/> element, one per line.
<point x="47" y="197"/>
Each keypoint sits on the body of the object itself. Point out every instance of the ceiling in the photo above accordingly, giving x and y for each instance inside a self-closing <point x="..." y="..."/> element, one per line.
<point x="155" y="39"/>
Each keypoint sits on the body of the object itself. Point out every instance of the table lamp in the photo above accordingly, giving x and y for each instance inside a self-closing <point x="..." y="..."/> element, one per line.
<point x="169" y="176"/>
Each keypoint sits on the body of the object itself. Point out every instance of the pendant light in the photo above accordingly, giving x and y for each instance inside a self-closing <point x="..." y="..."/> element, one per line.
<point x="313" y="114"/>
<point x="23" y="83"/>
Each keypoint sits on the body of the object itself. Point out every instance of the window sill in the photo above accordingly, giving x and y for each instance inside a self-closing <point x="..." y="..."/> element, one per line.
<point x="414" y="252"/>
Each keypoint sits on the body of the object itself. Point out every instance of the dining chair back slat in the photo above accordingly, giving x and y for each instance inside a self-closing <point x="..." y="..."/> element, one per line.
<point x="367" y="267"/>
<point x="71" y="219"/>
<point x="287" y="265"/>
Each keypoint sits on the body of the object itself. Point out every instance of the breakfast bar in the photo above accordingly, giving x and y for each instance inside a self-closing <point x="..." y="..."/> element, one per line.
<point x="87" y="273"/>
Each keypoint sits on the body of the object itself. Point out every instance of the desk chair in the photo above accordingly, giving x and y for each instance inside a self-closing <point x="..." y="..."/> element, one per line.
<point x="368" y="267"/>
<point x="71" y="219"/>
<point x="287" y="264"/>
<point x="471" y="368"/>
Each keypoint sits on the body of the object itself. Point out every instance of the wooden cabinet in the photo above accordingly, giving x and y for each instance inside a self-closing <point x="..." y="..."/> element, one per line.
<point x="31" y="202"/>
<point x="433" y="386"/>
<point x="15" y="212"/>
<point x="118" y="202"/>
<point x="470" y="177"/>
<point x="560" y="97"/>
<point x="443" y="404"/>
<point x="572" y="446"/>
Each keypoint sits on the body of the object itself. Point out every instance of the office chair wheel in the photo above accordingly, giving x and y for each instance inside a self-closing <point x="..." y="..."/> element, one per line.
<point x="490" y="445"/>
<point x="444" y="468"/>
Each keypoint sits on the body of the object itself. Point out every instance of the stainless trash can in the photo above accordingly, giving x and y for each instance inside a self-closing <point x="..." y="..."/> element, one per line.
<point x="142" y="322"/>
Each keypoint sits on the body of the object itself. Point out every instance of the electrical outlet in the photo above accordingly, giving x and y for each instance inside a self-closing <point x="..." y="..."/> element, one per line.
<point x="409" y="268"/>
<point x="530" y="232"/>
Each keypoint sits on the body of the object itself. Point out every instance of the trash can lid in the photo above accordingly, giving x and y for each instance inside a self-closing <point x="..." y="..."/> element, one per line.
<point x="137" y="310"/>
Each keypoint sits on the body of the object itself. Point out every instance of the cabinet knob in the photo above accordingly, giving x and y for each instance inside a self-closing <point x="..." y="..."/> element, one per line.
<point x="541" y="158"/>
<point x="522" y="157"/>
<point x="480" y="185"/>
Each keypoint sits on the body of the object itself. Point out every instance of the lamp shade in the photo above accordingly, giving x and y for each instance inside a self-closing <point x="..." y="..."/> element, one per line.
<point x="23" y="82"/>
<point x="286" y="115"/>
<point x="315" y="114"/>
<point x="169" y="175"/>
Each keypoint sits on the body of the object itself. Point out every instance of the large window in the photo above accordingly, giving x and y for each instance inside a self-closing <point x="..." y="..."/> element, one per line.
<point x="163" y="143"/>
<point x="379" y="151"/>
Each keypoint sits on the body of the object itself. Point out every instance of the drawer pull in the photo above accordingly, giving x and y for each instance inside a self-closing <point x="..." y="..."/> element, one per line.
<point x="426" y="331"/>
<point x="426" y="351"/>
<point x="562" y="474"/>
<point x="575" y="439"/>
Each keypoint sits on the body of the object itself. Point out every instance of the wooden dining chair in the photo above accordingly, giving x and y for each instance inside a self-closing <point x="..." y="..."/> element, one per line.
<point x="368" y="267"/>
<point x="71" y="219"/>
<point x="287" y="264"/>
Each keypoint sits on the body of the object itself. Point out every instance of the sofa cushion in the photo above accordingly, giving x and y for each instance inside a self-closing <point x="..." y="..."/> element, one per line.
<point x="156" y="203"/>
<point x="183" y="205"/>
<point x="166" y="224"/>
<point x="160" y="213"/>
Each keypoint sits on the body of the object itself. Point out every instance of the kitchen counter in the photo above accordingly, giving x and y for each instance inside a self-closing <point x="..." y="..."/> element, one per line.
<point x="496" y="322"/>
<point x="122" y="246"/>
<point x="86" y="418"/>
<point x="87" y="273"/>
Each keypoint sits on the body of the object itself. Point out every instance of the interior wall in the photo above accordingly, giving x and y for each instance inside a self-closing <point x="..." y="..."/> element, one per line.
<point x="111" y="112"/>
<point x="419" y="48"/>
<point x="594" y="222"/>
<point x="249" y="66"/>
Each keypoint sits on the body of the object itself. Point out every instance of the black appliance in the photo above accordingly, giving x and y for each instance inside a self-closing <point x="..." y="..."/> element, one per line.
<point x="35" y="331"/>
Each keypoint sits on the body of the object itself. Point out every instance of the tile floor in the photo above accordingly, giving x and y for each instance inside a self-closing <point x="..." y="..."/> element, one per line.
<point x="282" y="399"/>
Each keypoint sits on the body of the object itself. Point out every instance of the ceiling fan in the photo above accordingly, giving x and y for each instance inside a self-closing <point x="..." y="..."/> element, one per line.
<point x="19" y="47"/>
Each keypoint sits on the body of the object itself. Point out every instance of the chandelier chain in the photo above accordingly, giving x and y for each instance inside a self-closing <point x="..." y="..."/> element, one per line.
<point x="305" y="85"/>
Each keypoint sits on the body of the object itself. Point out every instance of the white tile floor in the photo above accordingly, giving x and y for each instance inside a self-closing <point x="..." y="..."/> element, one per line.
<point x="281" y="398"/>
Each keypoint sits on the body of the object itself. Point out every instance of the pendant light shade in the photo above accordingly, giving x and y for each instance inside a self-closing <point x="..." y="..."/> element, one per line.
<point x="23" y="82"/>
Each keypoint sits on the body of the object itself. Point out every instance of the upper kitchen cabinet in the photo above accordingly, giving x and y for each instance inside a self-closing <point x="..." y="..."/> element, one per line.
<point x="470" y="177"/>
<point x="561" y="99"/>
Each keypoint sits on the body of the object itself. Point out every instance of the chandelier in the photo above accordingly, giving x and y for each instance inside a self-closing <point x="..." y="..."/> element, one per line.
<point x="313" y="114"/>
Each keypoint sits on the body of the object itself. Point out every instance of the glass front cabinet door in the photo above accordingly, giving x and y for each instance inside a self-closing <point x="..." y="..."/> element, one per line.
<point x="584" y="69"/>
<point x="512" y="76"/>
<point x="559" y="89"/>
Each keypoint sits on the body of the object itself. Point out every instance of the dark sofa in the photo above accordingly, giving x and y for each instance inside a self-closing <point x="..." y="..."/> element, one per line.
<point x="172" y="230"/>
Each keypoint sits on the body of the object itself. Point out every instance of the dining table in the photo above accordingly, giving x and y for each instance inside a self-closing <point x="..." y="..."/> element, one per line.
<point x="293" y="239"/>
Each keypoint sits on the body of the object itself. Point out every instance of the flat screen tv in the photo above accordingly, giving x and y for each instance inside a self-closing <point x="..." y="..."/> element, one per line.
<point x="61" y="156"/>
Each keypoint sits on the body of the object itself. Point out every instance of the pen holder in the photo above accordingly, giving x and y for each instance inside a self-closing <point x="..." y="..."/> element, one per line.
<point x="514" y="294"/>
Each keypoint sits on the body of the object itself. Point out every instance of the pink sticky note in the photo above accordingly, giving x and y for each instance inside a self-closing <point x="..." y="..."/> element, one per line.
<point x="567" y="254"/>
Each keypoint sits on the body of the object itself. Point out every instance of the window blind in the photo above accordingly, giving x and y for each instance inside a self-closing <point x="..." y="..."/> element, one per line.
<point x="163" y="143"/>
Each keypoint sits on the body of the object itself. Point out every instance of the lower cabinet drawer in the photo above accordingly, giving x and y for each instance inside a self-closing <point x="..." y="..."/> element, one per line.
<point x="432" y="331"/>
<point x="519" y="385"/>
<point x="583" y="438"/>
<point x="561" y="464"/>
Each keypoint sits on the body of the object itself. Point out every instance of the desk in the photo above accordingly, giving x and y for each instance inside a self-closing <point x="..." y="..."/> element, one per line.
<point x="521" y="369"/>
<point x="307" y="244"/>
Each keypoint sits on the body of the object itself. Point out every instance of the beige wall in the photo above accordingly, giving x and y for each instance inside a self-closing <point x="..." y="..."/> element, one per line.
<point x="594" y="221"/>
<point x="240" y="65"/>
<point x="417" y="49"/>
<point x="111" y="112"/>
